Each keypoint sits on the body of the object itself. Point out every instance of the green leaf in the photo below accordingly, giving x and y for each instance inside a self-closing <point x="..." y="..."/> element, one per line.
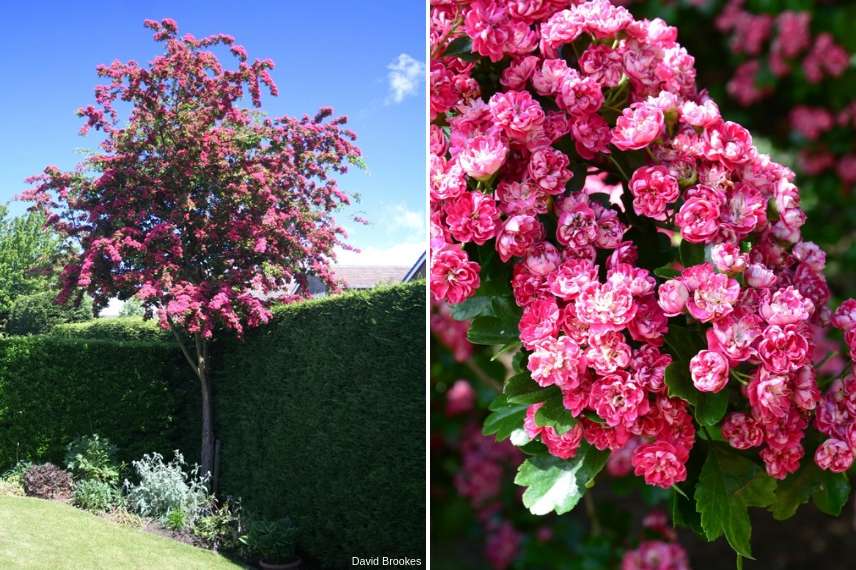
<point x="473" y="307"/>
<point x="521" y="389"/>
<point x="554" y="414"/>
<point x="833" y="492"/>
<point x="461" y="47"/>
<point x="492" y="330"/>
<point x="708" y="408"/>
<point x="666" y="272"/>
<point x="691" y="253"/>
<point x="728" y="485"/>
<point x="795" y="490"/>
<point x="504" y="418"/>
<point x="556" y="485"/>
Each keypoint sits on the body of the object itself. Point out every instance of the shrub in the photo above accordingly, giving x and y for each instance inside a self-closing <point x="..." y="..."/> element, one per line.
<point x="304" y="384"/>
<point x="54" y="389"/>
<point x="38" y="313"/>
<point x="92" y="457"/>
<point x="176" y="520"/>
<point x="166" y="488"/>
<point x="271" y="540"/>
<point x="220" y="529"/>
<point x="11" y="488"/>
<point x="120" y="328"/>
<point x="47" y="481"/>
<point x="15" y="474"/>
<point x="96" y="495"/>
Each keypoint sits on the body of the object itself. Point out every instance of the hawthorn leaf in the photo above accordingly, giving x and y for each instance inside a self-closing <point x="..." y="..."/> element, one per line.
<point x="728" y="485"/>
<point x="473" y="307"/>
<point x="556" y="485"/>
<point x="796" y="489"/>
<point x="504" y="418"/>
<point x="832" y="493"/>
<point x="554" y="414"/>
<point x="492" y="330"/>
<point x="521" y="389"/>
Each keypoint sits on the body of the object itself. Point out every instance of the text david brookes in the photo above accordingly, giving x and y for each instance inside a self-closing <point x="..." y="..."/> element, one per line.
<point x="385" y="561"/>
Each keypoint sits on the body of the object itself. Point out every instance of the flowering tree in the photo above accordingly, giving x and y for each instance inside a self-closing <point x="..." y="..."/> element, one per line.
<point x="640" y="261"/>
<point x="197" y="207"/>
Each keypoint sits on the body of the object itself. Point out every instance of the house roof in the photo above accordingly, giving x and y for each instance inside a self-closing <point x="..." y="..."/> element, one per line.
<point x="368" y="276"/>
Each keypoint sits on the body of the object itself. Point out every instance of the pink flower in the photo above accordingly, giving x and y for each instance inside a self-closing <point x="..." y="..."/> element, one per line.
<point x="517" y="236"/>
<point x="714" y="298"/>
<point x="649" y="365"/>
<point x="834" y="455"/>
<point x="607" y="306"/>
<point x="603" y="64"/>
<point x="576" y="225"/>
<point x="548" y="167"/>
<point x="759" y="276"/>
<point x="591" y="134"/>
<point x="460" y="398"/>
<point x="781" y="462"/>
<point x="556" y="361"/>
<point x="482" y="156"/>
<point x="735" y="334"/>
<point x="769" y="395"/>
<point x="617" y="399"/>
<point x="844" y="317"/>
<point x="553" y="73"/>
<point x="454" y="277"/>
<point x="672" y="297"/>
<point x="580" y="96"/>
<point x="570" y="277"/>
<point x="786" y="306"/>
<point x="517" y="113"/>
<point x="728" y="143"/>
<point x="563" y="446"/>
<point x="783" y="349"/>
<point x="698" y="220"/>
<point x="561" y="28"/>
<point x="607" y="352"/>
<point x="639" y="125"/>
<point x="656" y="555"/>
<point x="727" y="258"/>
<point x="653" y="189"/>
<point x="539" y="322"/>
<point x="658" y="463"/>
<point x="472" y="217"/>
<point x="709" y="371"/>
<point x="742" y="431"/>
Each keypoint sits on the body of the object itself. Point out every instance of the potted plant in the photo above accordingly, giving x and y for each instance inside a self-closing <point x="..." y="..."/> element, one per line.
<point x="273" y="543"/>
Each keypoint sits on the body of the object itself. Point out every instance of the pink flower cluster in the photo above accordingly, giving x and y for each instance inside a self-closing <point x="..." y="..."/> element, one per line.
<point x="611" y="91"/>
<point x="658" y="552"/>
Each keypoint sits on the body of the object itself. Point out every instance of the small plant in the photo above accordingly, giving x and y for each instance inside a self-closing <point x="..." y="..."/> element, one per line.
<point x="123" y="517"/>
<point x="95" y="495"/>
<point x="176" y="520"/>
<point x="220" y="529"/>
<point x="93" y="457"/>
<point x="167" y="487"/>
<point x="273" y="541"/>
<point x="11" y="488"/>
<point x="16" y="473"/>
<point x="47" y="481"/>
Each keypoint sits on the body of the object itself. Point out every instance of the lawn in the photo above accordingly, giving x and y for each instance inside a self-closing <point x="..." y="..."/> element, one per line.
<point x="46" y="534"/>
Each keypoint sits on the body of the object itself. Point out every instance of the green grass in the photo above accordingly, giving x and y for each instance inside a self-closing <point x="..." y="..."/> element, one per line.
<point x="46" y="534"/>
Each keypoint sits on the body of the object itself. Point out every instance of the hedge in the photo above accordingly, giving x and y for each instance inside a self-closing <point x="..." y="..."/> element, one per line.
<point x="321" y="414"/>
<point x="55" y="389"/>
<point x="322" y="417"/>
<point x="38" y="313"/>
<point x="118" y="328"/>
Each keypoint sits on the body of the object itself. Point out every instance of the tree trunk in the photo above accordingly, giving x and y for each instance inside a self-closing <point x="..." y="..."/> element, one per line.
<point x="207" y="449"/>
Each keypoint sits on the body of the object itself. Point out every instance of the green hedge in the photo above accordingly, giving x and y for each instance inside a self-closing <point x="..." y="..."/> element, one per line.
<point x="38" y="313"/>
<point x="321" y="414"/>
<point x="55" y="389"/>
<point x="322" y="417"/>
<point x="117" y="328"/>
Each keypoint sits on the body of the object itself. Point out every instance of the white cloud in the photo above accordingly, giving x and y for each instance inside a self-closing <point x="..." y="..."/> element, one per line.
<point x="400" y="254"/>
<point x="400" y="217"/>
<point x="405" y="75"/>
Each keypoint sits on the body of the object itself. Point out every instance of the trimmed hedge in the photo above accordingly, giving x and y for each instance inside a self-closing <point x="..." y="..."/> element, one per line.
<point x="322" y="418"/>
<point x="38" y="313"/>
<point x="321" y="414"/>
<point x="55" y="389"/>
<point x="116" y="328"/>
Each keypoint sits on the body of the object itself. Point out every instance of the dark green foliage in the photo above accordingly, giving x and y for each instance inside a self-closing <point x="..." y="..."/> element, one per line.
<point x="93" y="457"/>
<point x="38" y="313"/>
<point x="53" y="390"/>
<point x="120" y="328"/>
<point x="96" y="496"/>
<point x="271" y="541"/>
<point x="321" y="416"/>
<point x="47" y="481"/>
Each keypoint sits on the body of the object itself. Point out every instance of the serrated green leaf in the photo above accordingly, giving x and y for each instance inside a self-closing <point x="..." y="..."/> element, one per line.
<point x="556" y="485"/>
<point x="832" y="493"/>
<point x="666" y="272"/>
<point x="728" y="485"/>
<point x="492" y="330"/>
<point x="521" y="389"/>
<point x="554" y="414"/>
<point x="795" y="490"/>
<point x="472" y="308"/>
<point x="504" y="418"/>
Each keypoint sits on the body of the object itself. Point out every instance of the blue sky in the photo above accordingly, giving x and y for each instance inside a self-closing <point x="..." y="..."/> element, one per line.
<point x="365" y="59"/>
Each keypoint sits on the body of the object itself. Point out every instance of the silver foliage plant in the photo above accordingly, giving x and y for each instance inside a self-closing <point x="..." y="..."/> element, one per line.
<point x="164" y="488"/>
